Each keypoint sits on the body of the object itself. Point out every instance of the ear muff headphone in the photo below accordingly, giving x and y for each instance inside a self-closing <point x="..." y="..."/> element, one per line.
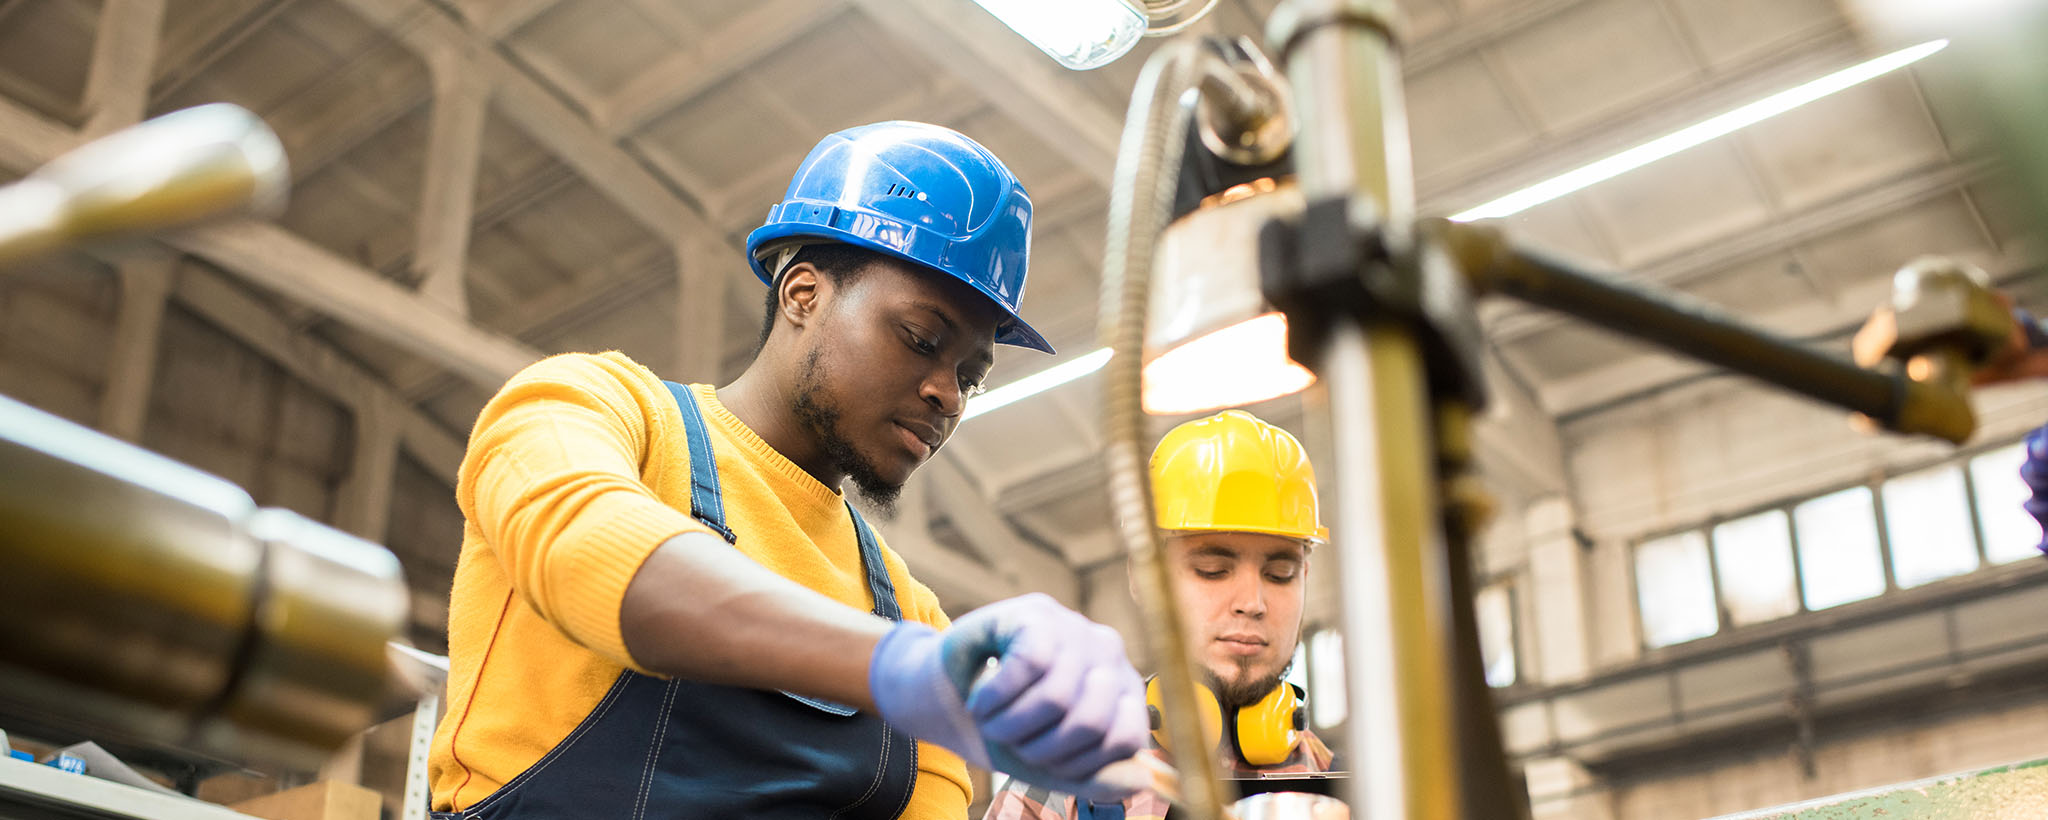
<point x="1262" y="734"/>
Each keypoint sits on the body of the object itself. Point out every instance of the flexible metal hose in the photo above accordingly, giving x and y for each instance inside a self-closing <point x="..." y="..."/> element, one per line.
<point x="1167" y="17"/>
<point x="1140" y="202"/>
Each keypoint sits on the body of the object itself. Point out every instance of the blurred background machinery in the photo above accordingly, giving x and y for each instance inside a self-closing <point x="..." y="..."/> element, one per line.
<point x="154" y="604"/>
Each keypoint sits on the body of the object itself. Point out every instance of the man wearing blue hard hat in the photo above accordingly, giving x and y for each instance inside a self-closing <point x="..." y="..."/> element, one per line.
<point x="664" y="605"/>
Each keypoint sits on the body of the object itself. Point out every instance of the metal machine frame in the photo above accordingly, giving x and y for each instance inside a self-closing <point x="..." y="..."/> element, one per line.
<point x="1380" y="306"/>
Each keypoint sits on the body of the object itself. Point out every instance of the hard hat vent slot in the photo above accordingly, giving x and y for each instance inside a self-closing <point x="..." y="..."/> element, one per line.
<point x="904" y="191"/>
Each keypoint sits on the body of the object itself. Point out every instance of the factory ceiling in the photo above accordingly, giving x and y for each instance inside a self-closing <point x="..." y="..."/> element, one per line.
<point x="477" y="184"/>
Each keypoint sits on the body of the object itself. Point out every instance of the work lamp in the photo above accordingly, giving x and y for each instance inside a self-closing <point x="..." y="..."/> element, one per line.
<point x="1214" y="341"/>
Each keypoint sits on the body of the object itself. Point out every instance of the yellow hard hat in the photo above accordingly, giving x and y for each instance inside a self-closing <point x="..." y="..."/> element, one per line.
<point x="1232" y="472"/>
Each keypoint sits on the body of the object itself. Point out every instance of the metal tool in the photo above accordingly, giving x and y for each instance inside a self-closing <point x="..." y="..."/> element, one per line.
<point x="1914" y="356"/>
<point x="173" y="170"/>
<point x="149" y="602"/>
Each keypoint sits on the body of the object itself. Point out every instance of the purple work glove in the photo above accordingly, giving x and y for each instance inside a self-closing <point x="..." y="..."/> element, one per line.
<point x="2036" y="332"/>
<point x="1062" y="703"/>
<point x="2035" y="473"/>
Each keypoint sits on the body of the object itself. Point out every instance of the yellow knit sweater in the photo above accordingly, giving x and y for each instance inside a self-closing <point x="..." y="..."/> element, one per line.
<point x="577" y="470"/>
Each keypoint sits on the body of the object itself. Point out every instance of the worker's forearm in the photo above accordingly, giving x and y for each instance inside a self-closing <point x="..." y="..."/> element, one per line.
<point x="700" y="610"/>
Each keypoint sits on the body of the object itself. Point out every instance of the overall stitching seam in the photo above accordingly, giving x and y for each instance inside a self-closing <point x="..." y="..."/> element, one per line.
<point x="905" y="802"/>
<point x="881" y="768"/>
<point x="556" y="753"/>
<point x="707" y="497"/>
<point x="826" y="706"/>
<point x="469" y="699"/>
<point x="668" y="699"/>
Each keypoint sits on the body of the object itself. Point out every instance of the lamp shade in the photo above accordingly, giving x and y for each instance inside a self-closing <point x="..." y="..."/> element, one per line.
<point x="1214" y="342"/>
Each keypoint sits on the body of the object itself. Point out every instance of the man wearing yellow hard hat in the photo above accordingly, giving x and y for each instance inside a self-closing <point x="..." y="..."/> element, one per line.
<point x="1237" y="499"/>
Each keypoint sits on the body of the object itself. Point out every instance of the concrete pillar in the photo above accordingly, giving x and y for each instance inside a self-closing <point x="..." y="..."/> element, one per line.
<point x="146" y="281"/>
<point x="701" y="312"/>
<point x="364" y="498"/>
<point x="1561" y="789"/>
<point x="1106" y="599"/>
<point x="123" y="55"/>
<point x="1556" y="588"/>
<point x="1614" y="633"/>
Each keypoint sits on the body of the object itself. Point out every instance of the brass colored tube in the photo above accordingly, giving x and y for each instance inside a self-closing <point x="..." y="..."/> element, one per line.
<point x="1140" y="201"/>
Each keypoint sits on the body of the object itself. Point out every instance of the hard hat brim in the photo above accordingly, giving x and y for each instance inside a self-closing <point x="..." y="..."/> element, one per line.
<point x="1013" y="330"/>
<point x="1321" y="535"/>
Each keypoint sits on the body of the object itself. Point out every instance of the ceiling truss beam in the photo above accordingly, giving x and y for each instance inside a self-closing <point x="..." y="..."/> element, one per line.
<point x="768" y="26"/>
<point x="123" y="55"/>
<point x="256" y="324"/>
<point x="146" y="280"/>
<point x="188" y="57"/>
<point x="448" y="186"/>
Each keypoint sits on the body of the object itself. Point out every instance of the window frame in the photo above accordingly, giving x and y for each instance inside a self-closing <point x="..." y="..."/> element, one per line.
<point x="1725" y="613"/>
<point x="1872" y="488"/>
<point x="1976" y="510"/>
<point x="1723" y="617"/>
<point x="1961" y="464"/>
<point x="1511" y="582"/>
<point x="1636" y="587"/>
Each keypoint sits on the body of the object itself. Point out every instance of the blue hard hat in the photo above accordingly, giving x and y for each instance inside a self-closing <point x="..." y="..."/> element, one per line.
<point x="918" y="192"/>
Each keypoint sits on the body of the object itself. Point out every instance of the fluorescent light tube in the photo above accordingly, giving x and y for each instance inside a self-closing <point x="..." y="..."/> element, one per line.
<point x="1693" y="135"/>
<point x="1036" y="383"/>
<point x="1080" y="34"/>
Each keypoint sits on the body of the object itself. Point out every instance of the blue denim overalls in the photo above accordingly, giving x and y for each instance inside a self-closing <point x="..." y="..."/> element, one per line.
<point x="675" y="749"/>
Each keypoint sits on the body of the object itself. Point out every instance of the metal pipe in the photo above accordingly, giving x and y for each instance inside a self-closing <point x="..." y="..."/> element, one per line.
<point x="1493" y="791"/>
<point x="1397" y="612"/>
<point x="1167" y="17"/>
<point x="148" y="601"/>
<point x="1702" y="331"/>
<point x="1341" y="61"/>
<point x="177" y="168"/>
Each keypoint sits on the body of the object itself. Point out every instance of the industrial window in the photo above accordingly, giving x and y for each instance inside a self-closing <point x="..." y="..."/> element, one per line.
<point x="1496" y="606"/>
<point x="1848" y="545"/>
<point x="2010" y="534"/>
<point x="1675" y="589"/>
<point x="1753" y="561"/>
<point x="1327" y="704"/>
<point x="1927" y="524"/>
<point x="1839" y="558"/>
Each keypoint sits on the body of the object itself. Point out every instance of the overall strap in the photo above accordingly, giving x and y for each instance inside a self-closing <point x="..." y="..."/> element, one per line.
<point x="1085" y="810"/>
<point x="706" y="504"/>
<point x="879" y="586"/>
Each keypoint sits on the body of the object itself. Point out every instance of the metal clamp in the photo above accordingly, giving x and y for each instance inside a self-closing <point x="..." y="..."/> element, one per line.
<point x="1335" y="263"/>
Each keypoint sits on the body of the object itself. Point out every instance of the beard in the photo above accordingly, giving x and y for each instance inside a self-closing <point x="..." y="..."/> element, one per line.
<point x="1247" y="690"/>
<point x="819" y="414"/>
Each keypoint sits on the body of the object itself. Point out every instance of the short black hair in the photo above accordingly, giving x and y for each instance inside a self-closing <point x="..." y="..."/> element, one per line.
<point x="840" y="262"/>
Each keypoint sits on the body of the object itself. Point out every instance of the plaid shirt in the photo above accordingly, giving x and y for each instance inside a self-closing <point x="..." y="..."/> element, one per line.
<point x="1017" y="800"/>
